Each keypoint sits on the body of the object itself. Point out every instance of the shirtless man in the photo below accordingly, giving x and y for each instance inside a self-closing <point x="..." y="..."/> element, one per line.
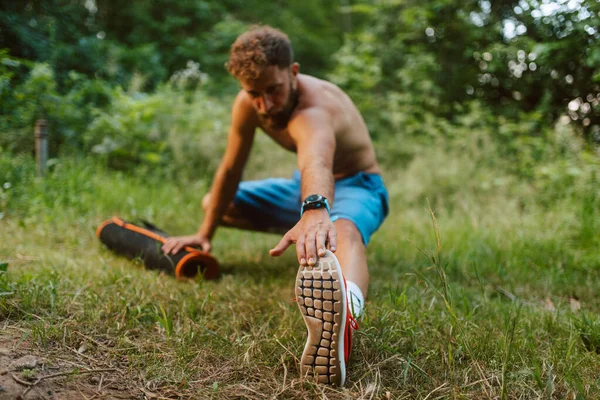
<point x="333" y="203"/>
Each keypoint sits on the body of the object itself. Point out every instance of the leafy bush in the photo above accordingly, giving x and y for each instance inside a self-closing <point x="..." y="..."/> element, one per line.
<point x="177" y="129"/>
<point x="38" y="97"/>
<point x="169" y="131"/>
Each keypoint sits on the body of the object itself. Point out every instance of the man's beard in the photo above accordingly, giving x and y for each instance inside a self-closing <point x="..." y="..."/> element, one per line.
<point x="279" y="120"/>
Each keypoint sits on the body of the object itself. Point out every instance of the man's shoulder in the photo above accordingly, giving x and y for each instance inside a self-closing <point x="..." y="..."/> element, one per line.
<point x="308" y="116"/>
<point x="309" y="111"/>
<point x="320" y="93"/>
<point x="242" y="111"/>
<point x="320" y="98"/>
<point x="314" y="83"/>
<point x="242" y="99"/>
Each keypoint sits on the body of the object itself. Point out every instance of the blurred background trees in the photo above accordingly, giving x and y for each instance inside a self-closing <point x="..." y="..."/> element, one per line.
<point x="108" y="74"/>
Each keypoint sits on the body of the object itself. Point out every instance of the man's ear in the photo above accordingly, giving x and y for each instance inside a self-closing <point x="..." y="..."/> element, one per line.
<point x="295" y="68"/>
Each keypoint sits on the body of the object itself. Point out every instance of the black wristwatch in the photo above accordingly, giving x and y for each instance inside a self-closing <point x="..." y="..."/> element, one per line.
<point x="314" y="202"/>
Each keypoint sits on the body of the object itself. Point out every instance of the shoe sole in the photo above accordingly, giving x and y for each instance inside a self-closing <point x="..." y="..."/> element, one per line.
<point x="321" y="297"/>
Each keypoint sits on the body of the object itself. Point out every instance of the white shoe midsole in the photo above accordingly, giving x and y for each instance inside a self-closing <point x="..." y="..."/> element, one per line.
<point x="342" y="334"/>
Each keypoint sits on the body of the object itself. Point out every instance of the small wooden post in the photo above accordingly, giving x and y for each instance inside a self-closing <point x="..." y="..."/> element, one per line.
<point x="41" y="145"/>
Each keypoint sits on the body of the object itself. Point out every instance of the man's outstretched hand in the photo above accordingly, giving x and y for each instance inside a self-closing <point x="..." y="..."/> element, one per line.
<point x="174" y="244"/>
<point x="311" y="234"/>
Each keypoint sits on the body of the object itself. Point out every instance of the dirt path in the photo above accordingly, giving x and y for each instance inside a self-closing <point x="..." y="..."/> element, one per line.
<point x="26" y="373"/>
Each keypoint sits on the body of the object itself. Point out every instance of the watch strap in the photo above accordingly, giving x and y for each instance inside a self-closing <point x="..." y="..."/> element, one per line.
<point x="325" y="203"/>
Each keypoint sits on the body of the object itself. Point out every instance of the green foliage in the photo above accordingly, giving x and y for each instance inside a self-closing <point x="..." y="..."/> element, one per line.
<point x="38" y="97"/>
<point x="170" y="132"/>
<point x="589" y="331"/>
<point x="6" y="287"/>
<point x="418" y="71"/>
<point x="112" y="40"/>
<point x="510" y="56"/>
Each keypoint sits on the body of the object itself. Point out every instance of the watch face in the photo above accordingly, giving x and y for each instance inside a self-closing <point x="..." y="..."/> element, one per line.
<point x="314" y="201"/>
<point x="314" y="197"/>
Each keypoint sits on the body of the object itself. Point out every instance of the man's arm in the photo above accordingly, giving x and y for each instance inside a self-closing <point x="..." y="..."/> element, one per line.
<point x="228" y="175"/>
<point x="315" y="141"/>
<point x="226" y="178"/>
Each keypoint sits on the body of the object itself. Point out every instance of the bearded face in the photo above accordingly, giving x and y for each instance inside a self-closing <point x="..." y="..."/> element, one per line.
<point x="278" y="119"/>
<point x="274" y="95"/>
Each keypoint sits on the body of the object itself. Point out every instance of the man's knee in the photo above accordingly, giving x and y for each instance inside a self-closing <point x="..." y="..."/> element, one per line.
<point x="230" y="212"/>
<point x="348" y="231"/>
<point x="205" y="201"/>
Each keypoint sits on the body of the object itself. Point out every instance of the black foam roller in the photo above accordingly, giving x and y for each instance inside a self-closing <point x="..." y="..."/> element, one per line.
<point x="145" y="242"/>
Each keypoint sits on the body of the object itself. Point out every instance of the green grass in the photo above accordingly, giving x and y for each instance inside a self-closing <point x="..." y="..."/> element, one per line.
<point x="474" y="298"/>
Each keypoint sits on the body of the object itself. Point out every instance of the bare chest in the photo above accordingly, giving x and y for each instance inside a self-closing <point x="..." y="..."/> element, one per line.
<point x="280" y="136"/>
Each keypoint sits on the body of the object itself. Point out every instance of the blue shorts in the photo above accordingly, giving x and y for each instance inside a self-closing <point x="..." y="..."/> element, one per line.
<point x="275" y="202"/>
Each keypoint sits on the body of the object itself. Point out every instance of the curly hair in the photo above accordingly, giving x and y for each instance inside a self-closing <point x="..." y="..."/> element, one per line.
<point x="258" y="48"/>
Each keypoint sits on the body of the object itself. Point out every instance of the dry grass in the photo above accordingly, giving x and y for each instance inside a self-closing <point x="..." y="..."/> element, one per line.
<point x="487" y="310"/>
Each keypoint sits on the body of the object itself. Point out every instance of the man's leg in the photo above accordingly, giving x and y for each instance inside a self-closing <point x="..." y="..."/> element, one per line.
<point x="359" y="208"/>
<point x="329" y="305"/>
<point x="233" y="218"/>
<point x="351" y="254"/>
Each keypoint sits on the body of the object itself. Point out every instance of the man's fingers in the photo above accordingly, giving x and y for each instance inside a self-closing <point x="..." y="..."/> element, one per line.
<point x="321" y="242"/>
<point x="332" y="240"/>
<point x="311" y="249"/>
<point x="300" y="250"/>
<point x="283" y="244"/>
<point x="174" y="245"/>
<point x="176" y="248"/>
<point x="167" y="246"/>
